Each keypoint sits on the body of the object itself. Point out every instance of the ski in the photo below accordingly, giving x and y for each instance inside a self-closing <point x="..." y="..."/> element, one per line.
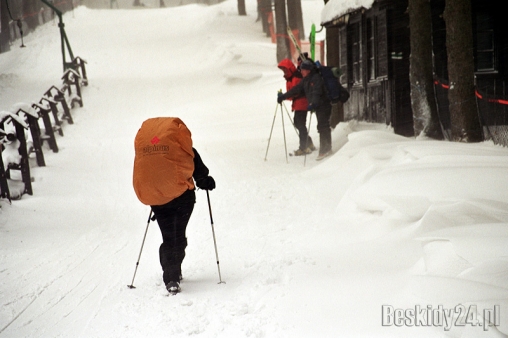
<point x="295" y="43"/>
<point x="313" y="42"/>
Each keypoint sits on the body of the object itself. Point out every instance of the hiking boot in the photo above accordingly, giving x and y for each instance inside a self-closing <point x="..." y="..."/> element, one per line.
<point x="300" y="152"/>
<point x="311" y="147"/>
<point x="173" y="287"/>
<point x="321" y="156"/>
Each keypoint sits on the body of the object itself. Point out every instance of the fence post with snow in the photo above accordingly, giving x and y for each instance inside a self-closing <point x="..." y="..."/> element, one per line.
<point x="54" y="111"/>
<point x="59" y="96"/>
<point x="79" y="66"/>
<point x="14" y="153"/>
<point x="31" y="118"/>
<point x="72" y="78"/>
<point x="49" y="134"/>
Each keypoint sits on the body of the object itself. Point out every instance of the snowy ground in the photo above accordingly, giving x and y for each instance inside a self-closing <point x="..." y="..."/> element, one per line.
<point x="387" y="231"/>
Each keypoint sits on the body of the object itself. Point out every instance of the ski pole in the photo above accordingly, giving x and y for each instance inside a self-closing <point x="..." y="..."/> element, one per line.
<point x="214" y="241"/>
<point x="271" y="130"/>
<point x="292" y="122"/>
<point x="307" y="142"/>
<point x="284" y="132"/>
<point x="131" y="286"/>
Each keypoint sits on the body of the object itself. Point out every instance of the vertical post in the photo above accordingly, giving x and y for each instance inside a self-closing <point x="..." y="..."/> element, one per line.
<point x="4" y="27"/>
<point x="71" y="55"/>
<point x="60" y="97"/>
<point x="54" y="111"/>
<point x="36" y="139"/>
<point x="62" y="45"/>
<point x="80" y="63"/>
<point x="71" y="77"/>
<point x="48" y="127"/>
<point x="63" y="37"/>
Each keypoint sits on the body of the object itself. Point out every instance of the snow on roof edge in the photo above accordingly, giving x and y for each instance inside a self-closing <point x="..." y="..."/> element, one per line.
<point x="337" y="8"/>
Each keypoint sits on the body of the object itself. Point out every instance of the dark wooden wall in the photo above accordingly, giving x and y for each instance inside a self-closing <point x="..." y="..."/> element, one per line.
<point x="374" y="49"/>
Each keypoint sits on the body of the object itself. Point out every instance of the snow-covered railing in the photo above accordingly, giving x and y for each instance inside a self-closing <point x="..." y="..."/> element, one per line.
<point x="43" y="119"/>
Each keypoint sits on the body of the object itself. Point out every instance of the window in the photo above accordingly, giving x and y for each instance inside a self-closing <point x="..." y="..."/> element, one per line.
<point x="343" y="55"/>
<point x="356" y="50"/>
<point x="485" y="56"/>
<point x="371" y="48"/>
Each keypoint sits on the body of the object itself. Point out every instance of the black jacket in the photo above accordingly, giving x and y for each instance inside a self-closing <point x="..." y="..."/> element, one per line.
<point x="312" y="87"/>
<point x="200" y="170"/>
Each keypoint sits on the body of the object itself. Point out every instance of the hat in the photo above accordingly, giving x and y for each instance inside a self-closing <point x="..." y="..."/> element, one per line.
<point x="305" y="57"/>
<point x="307" y="64"/>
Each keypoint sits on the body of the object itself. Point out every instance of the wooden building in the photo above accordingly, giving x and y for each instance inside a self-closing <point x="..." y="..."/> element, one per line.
<point x="373" y="54"/>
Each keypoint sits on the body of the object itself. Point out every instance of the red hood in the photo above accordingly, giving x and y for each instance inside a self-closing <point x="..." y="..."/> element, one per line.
<point x="287" y="64"/>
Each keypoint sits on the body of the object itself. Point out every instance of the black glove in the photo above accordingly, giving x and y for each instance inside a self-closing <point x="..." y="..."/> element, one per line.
<point x="280" y="97"/>
<point x="206" y="183"/>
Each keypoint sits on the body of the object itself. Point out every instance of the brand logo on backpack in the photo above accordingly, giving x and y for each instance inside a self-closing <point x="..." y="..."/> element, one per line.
<point x="155" y="148"/>
<point x="155" y="140"/>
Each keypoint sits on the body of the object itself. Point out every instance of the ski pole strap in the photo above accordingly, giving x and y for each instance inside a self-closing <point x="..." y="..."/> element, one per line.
<point x="151" y="216"/>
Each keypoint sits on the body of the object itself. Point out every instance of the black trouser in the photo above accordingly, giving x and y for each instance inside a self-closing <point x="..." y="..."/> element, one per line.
<point x="172" y="219"/>
<point x="323" y="113"/>
<point x="300" y="122"/>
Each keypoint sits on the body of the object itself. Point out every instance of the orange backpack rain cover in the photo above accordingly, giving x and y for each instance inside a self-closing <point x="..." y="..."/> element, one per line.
<point x="164" y="161"/>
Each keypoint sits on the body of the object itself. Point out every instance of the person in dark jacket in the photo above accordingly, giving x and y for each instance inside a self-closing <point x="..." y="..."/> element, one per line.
<point x="299" y="106"/>
<point x="312" y="87"/>
<point x="173" y="218"/>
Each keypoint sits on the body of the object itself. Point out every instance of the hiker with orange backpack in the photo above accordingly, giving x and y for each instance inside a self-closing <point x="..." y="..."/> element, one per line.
<point x="165" y="169"/>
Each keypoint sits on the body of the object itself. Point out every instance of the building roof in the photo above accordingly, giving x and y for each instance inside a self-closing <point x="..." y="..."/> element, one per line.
<point x="334" y="9"/>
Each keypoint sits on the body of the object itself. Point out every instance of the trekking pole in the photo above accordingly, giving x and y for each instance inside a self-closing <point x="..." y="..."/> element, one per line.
<point x="292" y="122"/>
<point x="284" y="133"/>
<point x="271" y="130"/>
<point x="131" y="286"/>
<point x="214" y="241"/>
<point x="307" y="141"/>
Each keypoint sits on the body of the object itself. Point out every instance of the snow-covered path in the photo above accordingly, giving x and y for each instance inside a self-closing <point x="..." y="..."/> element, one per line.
<point x="305" y="251"/>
